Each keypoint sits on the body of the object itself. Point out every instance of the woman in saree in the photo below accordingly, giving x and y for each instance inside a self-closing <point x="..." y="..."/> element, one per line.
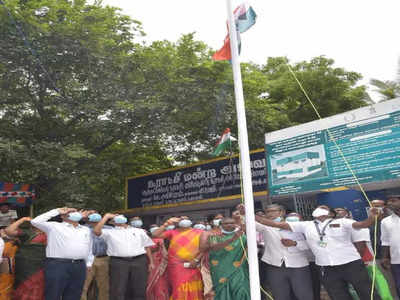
<point x="205" y="261"/>
<point x="29" y="260"/>
<point x="7" y="272"/>
<point x="228" y="265"/>
<point x="183" y="259"/>
<point x="157" y="282"/>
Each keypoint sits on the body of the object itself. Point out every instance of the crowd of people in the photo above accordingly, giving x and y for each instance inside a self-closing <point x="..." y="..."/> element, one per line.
<point x="70" y="255"/>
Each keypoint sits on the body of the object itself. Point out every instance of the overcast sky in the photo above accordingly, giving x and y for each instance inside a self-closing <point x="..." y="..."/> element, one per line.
<point x="360" y="35"/>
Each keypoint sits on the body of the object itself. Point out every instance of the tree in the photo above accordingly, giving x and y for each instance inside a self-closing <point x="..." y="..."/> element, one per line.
<point x="68" y="98"/>
<point x="388" y="89"/>
<point x="82" y="105"/>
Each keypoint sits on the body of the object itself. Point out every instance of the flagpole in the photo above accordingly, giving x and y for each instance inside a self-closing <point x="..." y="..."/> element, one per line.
<point x="244" y="160"/>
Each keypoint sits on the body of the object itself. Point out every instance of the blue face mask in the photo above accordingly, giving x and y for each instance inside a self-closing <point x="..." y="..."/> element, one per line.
<point x="94" y="217"/>
<point x="185" y="223"/>
<point x="75" y="216"/>
<point x="120" y="219"/>
<point x="137" y="223"/>
<point x="228" y="232"/>
<point x="200" y="226"/>
<point x="278" y="219"/>
<point x="170" y="227"/>
<point x="292" y="219"/>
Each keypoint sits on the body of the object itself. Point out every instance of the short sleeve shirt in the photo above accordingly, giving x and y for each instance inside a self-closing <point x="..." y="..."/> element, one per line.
<point x="338" y="248"/>
<point x="390" y="236"/>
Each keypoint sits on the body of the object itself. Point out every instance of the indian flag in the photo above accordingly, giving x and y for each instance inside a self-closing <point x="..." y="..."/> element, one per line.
<point x="223" y="143"/>
<point x="245" y="17"/>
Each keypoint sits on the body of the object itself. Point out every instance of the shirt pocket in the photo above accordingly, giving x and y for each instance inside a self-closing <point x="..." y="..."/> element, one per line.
<point x="337" y="233"/>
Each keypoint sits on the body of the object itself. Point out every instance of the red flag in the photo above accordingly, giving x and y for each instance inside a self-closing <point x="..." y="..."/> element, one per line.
<point x="225" y="52"/>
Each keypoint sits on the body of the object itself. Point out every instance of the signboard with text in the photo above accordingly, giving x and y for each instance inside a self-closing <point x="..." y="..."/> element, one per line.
<point x="310" y="157"/>
<point x="212" y="180"/>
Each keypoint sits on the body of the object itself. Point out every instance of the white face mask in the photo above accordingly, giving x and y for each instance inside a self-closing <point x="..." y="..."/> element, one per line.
<point x="216" y="222"/>
<point x="320" y="212"/>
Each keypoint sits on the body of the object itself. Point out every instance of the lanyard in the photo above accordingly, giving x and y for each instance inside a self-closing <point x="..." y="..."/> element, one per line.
<point x="321" y="233"/>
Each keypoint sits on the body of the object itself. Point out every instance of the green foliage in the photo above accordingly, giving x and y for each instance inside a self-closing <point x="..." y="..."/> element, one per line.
<point x="91" y="106"/>
<point x="58" y="140"/>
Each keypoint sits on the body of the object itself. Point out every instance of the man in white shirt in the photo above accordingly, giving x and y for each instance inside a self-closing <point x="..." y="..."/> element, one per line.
<point x="287" y="268"/>
<point x="7" y="216"/>
<point x="68" y="253"/>
<point x="391" y="239"/>
<point x="330" y="240"/>
<point x="127" y="248"/>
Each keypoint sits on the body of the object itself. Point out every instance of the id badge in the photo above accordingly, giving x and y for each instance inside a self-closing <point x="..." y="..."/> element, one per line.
<point x="322" y="244"/>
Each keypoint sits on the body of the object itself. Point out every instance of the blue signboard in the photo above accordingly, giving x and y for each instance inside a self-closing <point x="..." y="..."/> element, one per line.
<point x="213" y="180"/>
<point x="325" y="154"/>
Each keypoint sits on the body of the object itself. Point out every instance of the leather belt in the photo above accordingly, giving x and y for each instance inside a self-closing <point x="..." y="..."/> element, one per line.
<point x="128" y="258"/>
<point x="67" y="260"/>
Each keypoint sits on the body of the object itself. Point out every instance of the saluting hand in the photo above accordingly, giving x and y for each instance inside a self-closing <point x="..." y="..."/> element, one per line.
<point x="65" y="210"/>
<point x="109" y="216"/>
<point x="173" y="220"/>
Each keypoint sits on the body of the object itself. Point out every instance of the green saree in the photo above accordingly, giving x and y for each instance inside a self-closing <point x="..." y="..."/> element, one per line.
<point x="229" y="269"/>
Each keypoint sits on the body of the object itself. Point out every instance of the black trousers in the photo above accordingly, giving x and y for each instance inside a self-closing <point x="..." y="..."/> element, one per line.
<point x="64" y="279"/>
<point x="336" y="280"/>
<point x="286" y="282"/>
<point x="128" y="278"/>
<point x="316" y="281"/>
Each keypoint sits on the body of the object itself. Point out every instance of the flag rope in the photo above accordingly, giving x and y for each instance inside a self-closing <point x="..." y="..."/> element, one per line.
<point x="347" y="163"/>
<point x="351" y="171"/>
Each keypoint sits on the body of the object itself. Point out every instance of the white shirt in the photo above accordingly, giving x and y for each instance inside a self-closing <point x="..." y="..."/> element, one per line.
<point x="360" y="235"/>
<point x="339" y="248"/>
<point x="8" y="217"/>
<point x="390" y="236"/>
<point x="1" y="249"/>
<point x="126" y="241"/>
<point x="276" y="254"/>
<point x="65" y="240"/>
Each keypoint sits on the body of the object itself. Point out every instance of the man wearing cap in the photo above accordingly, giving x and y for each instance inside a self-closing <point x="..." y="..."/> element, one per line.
<point x="100" y="268"/>
<point x="127" y="247"/>
<point x="68" y="253"/>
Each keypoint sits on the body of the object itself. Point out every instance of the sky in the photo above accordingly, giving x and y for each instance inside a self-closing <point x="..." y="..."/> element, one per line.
<point x="360" y="35"/>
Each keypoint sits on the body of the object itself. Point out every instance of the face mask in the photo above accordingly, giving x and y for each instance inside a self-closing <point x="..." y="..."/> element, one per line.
<point x="152" y="229"/>
<point x="278" y="219"/>
<point x="120" y="219"/>
<point x="200" y="226"/>
<point x="229" y="232"/>
<point x="217" y="222"/>
<point x="320" y="212"/>
<point x="170" y="227"/>
<point x="208" y="227"/>
<point x="75" y="216"/>
<point x="185" y="223"/>
<point x="94" y="218"/>
<point x="137" y="223"/>
<point x="292" y="219"/>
